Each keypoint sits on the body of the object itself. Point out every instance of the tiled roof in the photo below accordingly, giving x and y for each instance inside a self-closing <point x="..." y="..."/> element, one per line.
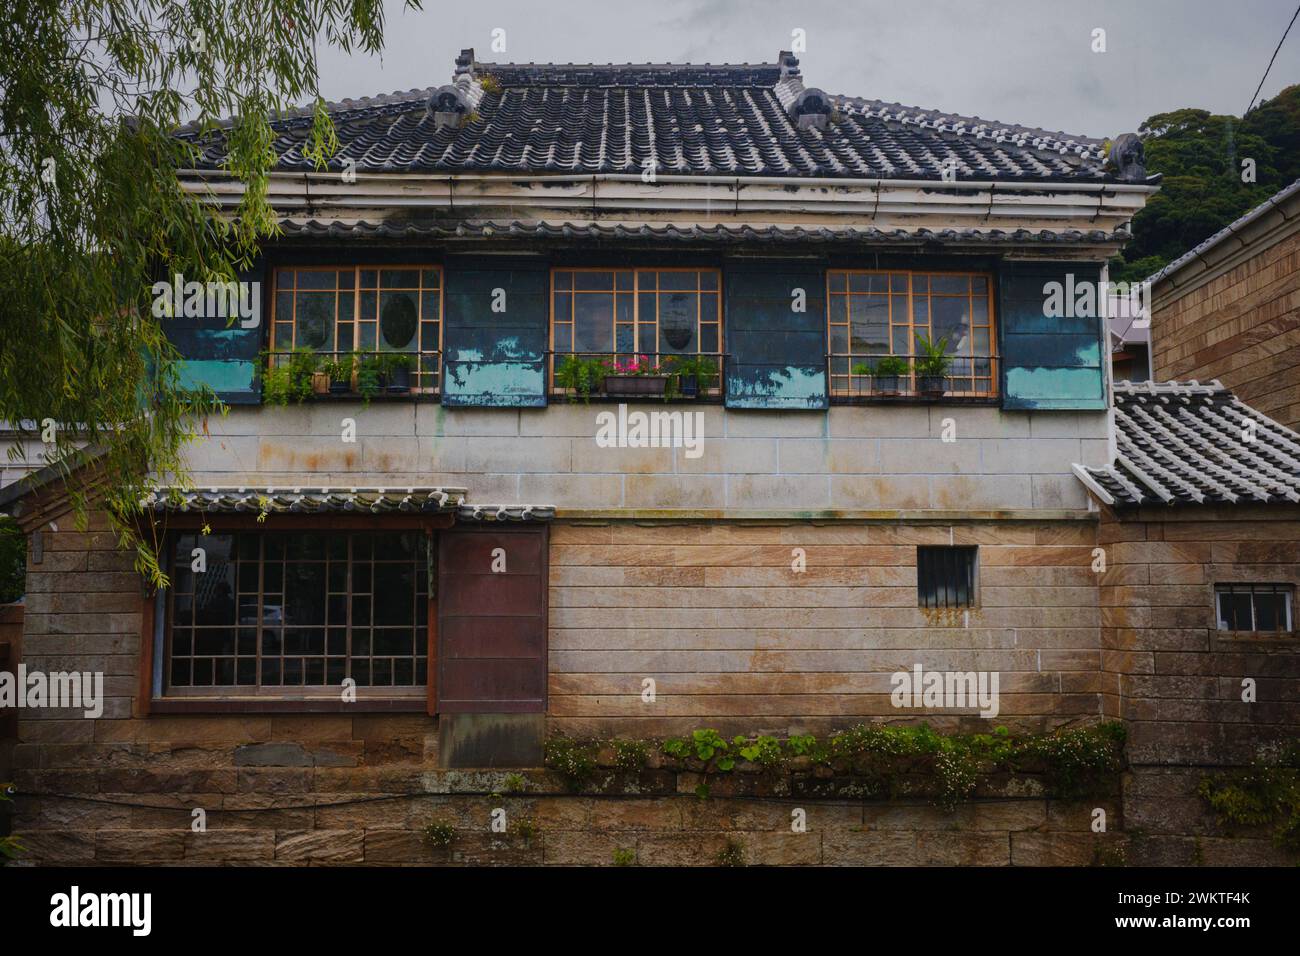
<point x="517" y="229"/>
<point x="1181" y="443"/>
<point x="438" y="500"/>
<point x="727" y="120"/>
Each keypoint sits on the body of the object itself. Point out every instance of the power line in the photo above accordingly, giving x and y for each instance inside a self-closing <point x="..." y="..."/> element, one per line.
<point x="1271" y="59"/>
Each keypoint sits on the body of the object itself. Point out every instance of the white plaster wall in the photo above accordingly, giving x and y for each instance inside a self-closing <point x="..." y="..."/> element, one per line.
<point x="848" y="459"/>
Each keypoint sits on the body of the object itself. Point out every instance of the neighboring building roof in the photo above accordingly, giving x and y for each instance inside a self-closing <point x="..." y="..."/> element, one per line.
<point x="1232" y="230"/>
<point x="1181" y="443"/>
<point x="272" y="500"/>
<point x="678" y="119"/>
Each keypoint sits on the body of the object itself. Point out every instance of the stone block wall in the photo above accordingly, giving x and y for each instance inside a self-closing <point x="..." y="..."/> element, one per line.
<point x="1177" y="681"/>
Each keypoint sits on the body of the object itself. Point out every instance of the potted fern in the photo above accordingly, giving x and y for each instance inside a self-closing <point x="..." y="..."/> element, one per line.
<point x="932" y="367"/>
<point x="580" y="376"/>
<point x="340" y="375"/>
<point x="693" y="374"/>
<point x="888" y="375"/>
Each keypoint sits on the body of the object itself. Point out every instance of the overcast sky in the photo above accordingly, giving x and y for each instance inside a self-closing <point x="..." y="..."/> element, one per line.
<point x="1019" y="61"/>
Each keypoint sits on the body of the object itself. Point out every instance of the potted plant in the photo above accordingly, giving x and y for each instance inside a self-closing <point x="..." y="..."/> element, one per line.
<point x="692" y="374"/>
<point x="861" y="370"/>
<point x="395" y="369"/>
<point x="580" y="376"/>
<point x="634" y="377"/>
<point x="369" y="374"/>
<point x="288" y="378"/>
<point x="932" y="367"/>
<point x="889" y="373"/>
<point x="339" y="372"/>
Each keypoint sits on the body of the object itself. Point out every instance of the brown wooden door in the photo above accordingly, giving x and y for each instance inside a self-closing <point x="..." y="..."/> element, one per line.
<point x="492" y="624"/>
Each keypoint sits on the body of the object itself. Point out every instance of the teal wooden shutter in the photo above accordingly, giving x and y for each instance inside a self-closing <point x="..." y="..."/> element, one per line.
<point x="776" y="356"/>
<point x="495" y="337"/>
<point x="1050" y="362"/>
<point x="217" y="351"/>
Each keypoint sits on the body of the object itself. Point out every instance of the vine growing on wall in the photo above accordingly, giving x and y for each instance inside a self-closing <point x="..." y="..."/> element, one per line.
<point x="1267" y="793"/>
<point x="882" y="760"/>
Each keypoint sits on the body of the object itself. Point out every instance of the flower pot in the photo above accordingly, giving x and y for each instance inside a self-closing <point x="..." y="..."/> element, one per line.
<point x="932" y="386"/>
<point x="633" y="385"/>
<point x="888" y="384"/>
<point x="320" y="383"/>
<point x="399" y="380"/>
<point x="688" y="386"/>
<point x="340" y="388"/>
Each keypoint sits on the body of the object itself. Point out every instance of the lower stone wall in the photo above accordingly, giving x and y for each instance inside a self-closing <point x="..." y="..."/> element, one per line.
<point x="655" y="817"/>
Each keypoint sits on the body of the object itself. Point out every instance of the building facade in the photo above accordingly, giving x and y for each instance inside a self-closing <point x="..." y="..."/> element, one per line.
<point x="592" y="401"/>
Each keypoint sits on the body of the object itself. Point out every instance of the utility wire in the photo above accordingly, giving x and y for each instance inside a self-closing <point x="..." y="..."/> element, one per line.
<point x="1271" y="59"/>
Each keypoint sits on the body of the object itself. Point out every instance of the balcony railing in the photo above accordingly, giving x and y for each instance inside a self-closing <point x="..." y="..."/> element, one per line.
<point x="622" y="375"/>
<point x="972" y="377"/>
<point x="367" y="374"/>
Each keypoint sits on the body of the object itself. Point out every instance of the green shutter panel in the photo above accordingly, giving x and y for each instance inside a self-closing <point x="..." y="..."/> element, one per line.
<point x="495" y="358"/>
<point x="776" y="356"/>
<point x="1050" y="362"/>
<point x="218" y="351"/>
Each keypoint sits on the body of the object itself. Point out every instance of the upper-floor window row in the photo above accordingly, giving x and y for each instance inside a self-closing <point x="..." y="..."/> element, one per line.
<point x="888" y="332"/>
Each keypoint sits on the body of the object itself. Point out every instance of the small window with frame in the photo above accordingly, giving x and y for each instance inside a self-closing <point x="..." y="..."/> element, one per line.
<point x="1262" y="608"/>
<point x="945" y="576"/>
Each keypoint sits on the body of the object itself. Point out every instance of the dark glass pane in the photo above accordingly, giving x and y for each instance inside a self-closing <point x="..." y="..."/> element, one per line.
<point x="360" y="610"/>
<point x="403" y="670"/>
<point x="248" y="576"/>
<point x="316" y="670"/>
<point x="304" y="593"/>
<point x="949" y="321"/>
<point x="950" y="285"/>
<point x="593" y="328"/>
<point x="369" y="278"/>
<point x="225" y="672"/>
<point x="394" y="594"/>
<point x="182" y="610"/>
<point x="338" y="577"/>
<point x="180" y="675"/>
<point x="271" y="672"/>
<point x="304" y="547"/>
<point x="317" y="279"/>
<point x="272" y="642"/>
<point x="361" y="672"/>
<point x="203" y="672"/>
<point x="293" y="671"/>
<point x="338" y="640"/>
<point x="338" y="609"/>
<point x="393" y="641"/>
<point x="398" y="320"/>
<point x="248" y="641"/>
<point x="1269" y="612"/>
<point x="595" y="281"/>
<point x="399" y="279"/>
<point x="248" y="610"/>
<point x="247" y="671"/>
<point x="564" y="280"/>
<point x="314" y="640"/>
<point x="360" y="642"/>
<point x="336" y="670"/>
<point x="273" y="547"/>
<point x="214" y="597"/>
<point x="183" y="643"/>
<point x="381" y="673"/>
<point x="315" y="320"/>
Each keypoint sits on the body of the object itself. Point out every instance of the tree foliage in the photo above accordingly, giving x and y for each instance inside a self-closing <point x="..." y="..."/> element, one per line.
<point x="1201" y="156"/>
<point x="92" y="211"/>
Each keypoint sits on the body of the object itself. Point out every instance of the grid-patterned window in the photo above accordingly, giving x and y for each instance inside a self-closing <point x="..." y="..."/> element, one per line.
<point x="1254" y="607"/>
<point x="875" y="314"/>
<point x="268" y="612"/>
<point x="945" y="576"/>
<point x="625" y="313"/>
<point x="341" y="310"/>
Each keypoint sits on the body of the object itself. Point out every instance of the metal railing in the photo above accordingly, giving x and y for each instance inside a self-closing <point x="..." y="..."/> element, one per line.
<point x="967" y="377"/>
<point x="369" y="372"/>
<point x="632" y="374"/>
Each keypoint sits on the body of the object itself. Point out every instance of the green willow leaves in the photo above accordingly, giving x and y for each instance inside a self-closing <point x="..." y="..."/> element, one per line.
<point x="91" y="211"/>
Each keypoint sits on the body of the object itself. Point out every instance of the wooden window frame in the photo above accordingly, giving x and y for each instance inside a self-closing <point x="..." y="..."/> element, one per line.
<point x="854" y="383"/>
<point x="638" y="322"/>
<point x="422" y="348"/>
<point x="150" y="697"/>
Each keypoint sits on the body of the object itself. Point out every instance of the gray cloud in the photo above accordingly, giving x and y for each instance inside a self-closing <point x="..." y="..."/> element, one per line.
<point x="1020" y="61"/>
